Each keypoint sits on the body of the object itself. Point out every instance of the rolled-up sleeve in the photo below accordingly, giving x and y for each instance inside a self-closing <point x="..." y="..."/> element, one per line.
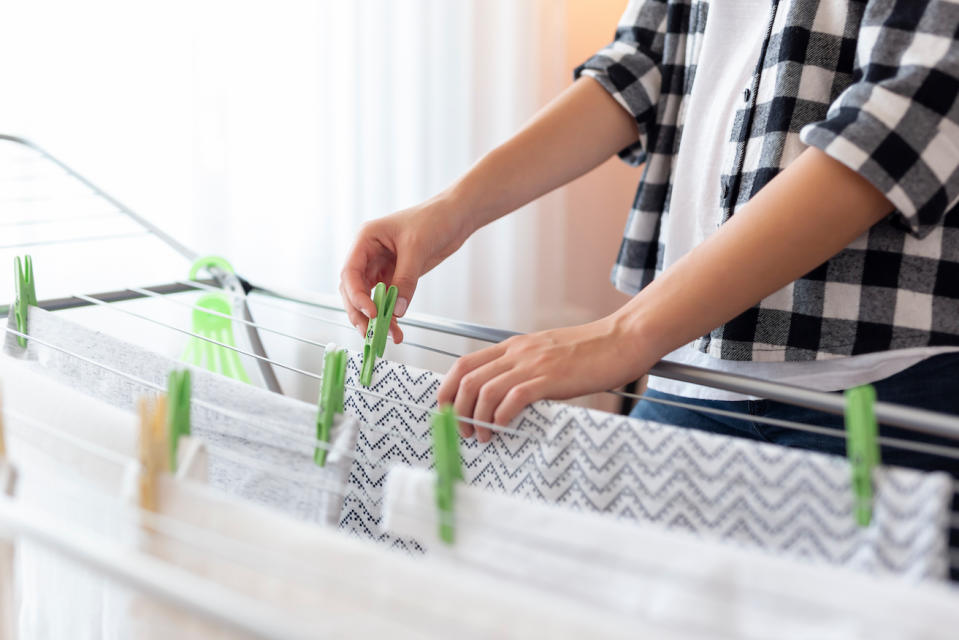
<point x="629" y="68"/>
<point x="898" y="124"/>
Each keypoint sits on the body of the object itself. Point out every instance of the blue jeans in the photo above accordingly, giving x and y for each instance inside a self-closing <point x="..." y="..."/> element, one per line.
<point x="932" y="384"/>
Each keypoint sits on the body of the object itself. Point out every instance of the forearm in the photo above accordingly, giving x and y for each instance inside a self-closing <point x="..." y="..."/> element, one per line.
<point x="806" y="215"/>
<point x="574" y="133"/>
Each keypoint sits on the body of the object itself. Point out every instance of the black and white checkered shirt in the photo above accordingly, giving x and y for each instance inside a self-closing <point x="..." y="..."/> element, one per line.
<point x="873" y="84"/>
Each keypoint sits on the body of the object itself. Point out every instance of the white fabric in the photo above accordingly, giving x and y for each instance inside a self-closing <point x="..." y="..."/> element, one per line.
<point x="62" y="442"/>
<point x="8" y="615"/>
<point x="668" y="578"/>
<point x="835" y="374"/>
<point x="250" y="433"/>
<point x="29" y="393"/>
<point x="782" y="500"/>
<point x="344" y="587"/>
<point x="730" y="47"/>
<point x="58" y="600"/>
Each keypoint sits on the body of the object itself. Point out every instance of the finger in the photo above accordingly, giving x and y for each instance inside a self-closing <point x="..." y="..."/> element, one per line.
<point x="447" y="391"/>
<point x="356" y="317"/>
<point x="407" y="273"/>
<point x="489" y="399"/>
<point x="357" y="289"/>
<point x="471" y="386"/>
<point x="516" y="399"/>
<point x="395" y="331"/>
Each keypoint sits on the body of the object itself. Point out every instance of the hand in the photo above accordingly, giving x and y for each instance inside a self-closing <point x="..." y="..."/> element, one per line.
<point x="397" y="250"/>
<point x="496" y="383"/>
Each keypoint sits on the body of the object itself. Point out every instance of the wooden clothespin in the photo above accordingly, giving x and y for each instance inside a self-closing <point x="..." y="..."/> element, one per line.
<point x="449" y="467"/>
<point x="862" y="448"/>
<point x="377" y="330"/>
<point x="152" y="449"/>
<point x="331" y="398"/>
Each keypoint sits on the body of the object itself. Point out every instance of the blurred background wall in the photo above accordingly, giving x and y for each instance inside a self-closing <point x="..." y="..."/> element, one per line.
<point x="268" y="132"/>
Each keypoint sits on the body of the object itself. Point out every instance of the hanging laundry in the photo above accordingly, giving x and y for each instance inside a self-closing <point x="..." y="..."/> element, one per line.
<point x="342" y="587"/>
<point x="64" y="446"/>
<point x="671" y="578"/>
<point x="8" y="617"/>
<point x="249" y="432"/>
<point x="764" y="496"/>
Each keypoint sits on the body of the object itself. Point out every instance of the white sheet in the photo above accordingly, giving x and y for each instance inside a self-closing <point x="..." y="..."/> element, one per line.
<point x="669" y="578"/>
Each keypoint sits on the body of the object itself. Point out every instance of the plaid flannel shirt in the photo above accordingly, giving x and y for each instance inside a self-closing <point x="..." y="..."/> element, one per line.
<point x="871" y="83"/>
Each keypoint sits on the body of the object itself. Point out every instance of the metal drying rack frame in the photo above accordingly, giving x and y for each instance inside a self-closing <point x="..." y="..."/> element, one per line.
<point x="920" y="420"/>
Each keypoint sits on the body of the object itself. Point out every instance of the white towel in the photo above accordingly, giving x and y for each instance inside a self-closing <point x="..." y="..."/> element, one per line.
<point x="669" y="578"/>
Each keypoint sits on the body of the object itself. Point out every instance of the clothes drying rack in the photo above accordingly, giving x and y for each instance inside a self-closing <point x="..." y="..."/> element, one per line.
<point x="919" y="420"/>
<point x="36" y="158"/>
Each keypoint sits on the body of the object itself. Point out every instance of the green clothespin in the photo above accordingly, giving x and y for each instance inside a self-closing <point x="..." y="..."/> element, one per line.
<point x="449" y="467"/>
<point x="331" y="398"/>
<point x="178" y="411"/>
<point x="215" y="326"/>
<point x="862" y="447"/>
<point x="377" y="330"/>
<point x="26" y="294"/>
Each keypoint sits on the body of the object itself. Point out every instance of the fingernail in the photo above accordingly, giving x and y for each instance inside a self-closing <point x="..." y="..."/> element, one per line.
<point x="400" y="307"/>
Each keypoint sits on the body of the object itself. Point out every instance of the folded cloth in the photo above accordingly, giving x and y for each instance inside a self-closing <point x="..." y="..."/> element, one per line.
<point x="250" y="433"/>
<point x="763" y="496"/>
<point x="670" y="578"/>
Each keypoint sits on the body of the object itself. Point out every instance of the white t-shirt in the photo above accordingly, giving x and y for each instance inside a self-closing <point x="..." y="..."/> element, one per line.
<point x="730" y="48"/>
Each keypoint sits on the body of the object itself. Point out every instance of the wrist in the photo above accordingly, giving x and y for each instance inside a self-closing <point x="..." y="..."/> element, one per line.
<point x="456" y="207"/>
<point x="632" y="330"/>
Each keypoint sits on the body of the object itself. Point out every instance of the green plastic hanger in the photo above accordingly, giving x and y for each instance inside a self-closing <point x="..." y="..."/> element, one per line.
<point x="377" y="330"/>
<point x="449" y="467"/>
<point x="178" y="411"/>
<point x="862" y="448"/>
<point x="26" y="294"/>
<point x="331" y="398"/>
<point x="214" y="326"/>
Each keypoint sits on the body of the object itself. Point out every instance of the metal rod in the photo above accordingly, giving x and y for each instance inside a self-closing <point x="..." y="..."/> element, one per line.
<point x="922" y="420"/>
<point x="48" y="243"/>
<point x="228" y="281"/>
<point x="168" y="239"/>
<point x="420" y="321"/>
<point x="71" y="302"/>
<point x="231" y="284"/>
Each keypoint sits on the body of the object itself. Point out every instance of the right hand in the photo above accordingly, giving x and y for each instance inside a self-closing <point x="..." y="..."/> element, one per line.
<point x="397" y="250"/>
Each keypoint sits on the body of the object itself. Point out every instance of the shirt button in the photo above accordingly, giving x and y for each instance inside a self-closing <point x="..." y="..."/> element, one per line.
<point x="746" y="94"/>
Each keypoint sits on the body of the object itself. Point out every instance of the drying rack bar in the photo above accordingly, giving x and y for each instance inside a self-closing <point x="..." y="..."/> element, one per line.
<point x="929" y="422"/>
<point x="907" y="417"/>
<point x="224" y="280"/>
<point x="70" y="302"/>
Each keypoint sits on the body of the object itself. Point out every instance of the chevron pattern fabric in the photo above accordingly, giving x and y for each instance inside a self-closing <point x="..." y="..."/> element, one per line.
<point x="764" y="496"/>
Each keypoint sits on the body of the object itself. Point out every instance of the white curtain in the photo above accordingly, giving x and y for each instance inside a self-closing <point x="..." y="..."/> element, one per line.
<point x="268" y="132"/>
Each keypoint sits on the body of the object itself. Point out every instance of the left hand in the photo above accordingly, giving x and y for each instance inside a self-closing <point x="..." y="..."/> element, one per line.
<point x="496" y="383"/>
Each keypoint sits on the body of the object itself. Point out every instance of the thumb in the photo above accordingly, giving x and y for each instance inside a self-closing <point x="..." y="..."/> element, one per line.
<point x="405" y="276"/>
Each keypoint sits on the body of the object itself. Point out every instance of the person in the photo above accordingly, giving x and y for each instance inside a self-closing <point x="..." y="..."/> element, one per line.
<point x="796" y="219"/>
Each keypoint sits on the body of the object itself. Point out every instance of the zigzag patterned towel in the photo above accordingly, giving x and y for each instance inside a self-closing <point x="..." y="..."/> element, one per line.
<point x="764" y="496"/>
